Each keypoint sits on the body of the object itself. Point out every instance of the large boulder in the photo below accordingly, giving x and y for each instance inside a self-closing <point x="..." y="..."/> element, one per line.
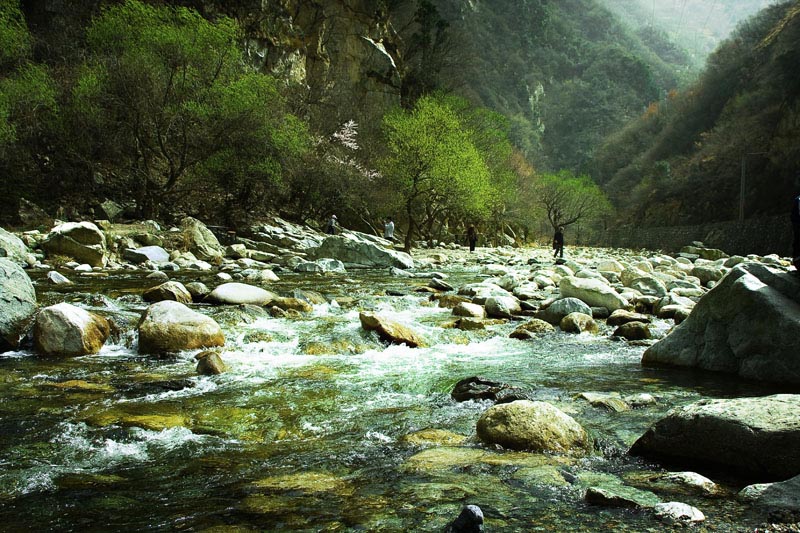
<point x="82" y="241"/>
<point x="155" y="254"/>
<point x="557" y="310"/>
<point x="748" y="324"/>
<point x="649" y="286"/>
<point x="578" y="323"/>
<point x="171" y="327"/>
<point x="502" y="306"/>
<point x="784" y="495"/>
<point x="534" y="426"/>
<point x="12" y="247"/>
<point x="390" y="330"/>
<point x="240" y="293"/>
<point x="358" y="249"/>
<point x="468" y="309"/>
<point x="17" y="304"/>
<point x="64" y="329"/>
<point x="171" y="290"/>
<point x="200" y="241"/>
<point x="592" y="292"/>
<point x="758" y="437"/>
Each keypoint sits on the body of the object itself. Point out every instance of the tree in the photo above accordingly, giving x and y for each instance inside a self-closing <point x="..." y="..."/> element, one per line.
<point x="426" y="50"/>
<point x="167" y="95"/>
<point x="27" y="107"/>
<point x="567" y="199"/>
<point x="433" y="164"/>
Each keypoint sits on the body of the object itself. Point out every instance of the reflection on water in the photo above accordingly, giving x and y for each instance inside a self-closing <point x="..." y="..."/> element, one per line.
<point x="311" y="429"/>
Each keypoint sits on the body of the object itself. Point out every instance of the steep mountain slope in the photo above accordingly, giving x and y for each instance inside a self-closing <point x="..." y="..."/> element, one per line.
<point x="698" y="26"/>
<point x="566" y="73"/>
<point x="686" y="158"/>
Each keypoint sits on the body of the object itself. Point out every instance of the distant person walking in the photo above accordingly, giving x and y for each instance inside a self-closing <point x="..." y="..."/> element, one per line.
<point x="795" y="217"/>
<point x="330" y="228"/>
<point x="388" y="229"/>
<point x="472" y="238"/>
<point x="558" y="242"/>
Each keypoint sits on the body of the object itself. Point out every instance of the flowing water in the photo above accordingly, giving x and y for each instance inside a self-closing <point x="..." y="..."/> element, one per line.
<point x="312" y="428"/>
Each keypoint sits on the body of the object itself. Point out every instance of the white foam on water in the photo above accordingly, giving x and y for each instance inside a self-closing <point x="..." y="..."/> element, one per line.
<point x="77" y="451"/>
<point x="169" y="439"/>
<point x="15" y="355"/>
<point x="37" y="481"/>
<point x="202" y="386"/>
<point x="377" y="436"/>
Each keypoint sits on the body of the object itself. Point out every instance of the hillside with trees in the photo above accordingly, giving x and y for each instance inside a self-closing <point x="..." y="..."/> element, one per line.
<point x="439" y="113"/>
<point x="695" y="27"/>
<point x="686" y="158"/>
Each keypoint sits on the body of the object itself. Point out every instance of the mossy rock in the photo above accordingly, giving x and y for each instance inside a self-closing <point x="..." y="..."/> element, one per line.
<point x="436" y="437"/>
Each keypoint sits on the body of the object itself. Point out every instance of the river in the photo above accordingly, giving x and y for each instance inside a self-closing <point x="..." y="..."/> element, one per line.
<point x="319" y="427"/>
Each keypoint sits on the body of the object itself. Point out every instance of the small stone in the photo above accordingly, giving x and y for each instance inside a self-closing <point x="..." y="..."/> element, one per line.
<point x="209" y="363"/>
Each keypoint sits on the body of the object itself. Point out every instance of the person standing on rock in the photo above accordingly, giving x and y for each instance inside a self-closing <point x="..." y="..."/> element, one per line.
<point x="558" y="242"/>
<point x="472" y="238"/>
<point x="388" y="229"/>
<point x="330" y="229"/>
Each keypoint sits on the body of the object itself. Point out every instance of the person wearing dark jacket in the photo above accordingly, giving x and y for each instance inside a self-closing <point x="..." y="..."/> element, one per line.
<point x="558" y="242"/>
<point x="472" y="238"/>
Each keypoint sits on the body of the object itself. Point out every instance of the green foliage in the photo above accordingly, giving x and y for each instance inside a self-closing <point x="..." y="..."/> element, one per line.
<point x="567" y="72"/>
<point x="567" y="199"/>
<point x="167" y="96"/>
<point x="681" y="161"/>
<point x="15" y="41"/>
<point x="439" y="156"/>
<point x="26" y="96"/>
<point x="27" y="92"/>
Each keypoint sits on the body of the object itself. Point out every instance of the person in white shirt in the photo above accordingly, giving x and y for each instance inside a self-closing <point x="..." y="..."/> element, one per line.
<point x="388" y="229"/>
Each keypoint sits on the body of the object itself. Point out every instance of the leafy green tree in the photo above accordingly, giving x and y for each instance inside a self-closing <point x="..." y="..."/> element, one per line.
<point x="26" y="90"/>
<point x="168" y="97"/>
<point x="567" y="199"/>
<point x="27" y="108"/>
<point x="434" y="164"/>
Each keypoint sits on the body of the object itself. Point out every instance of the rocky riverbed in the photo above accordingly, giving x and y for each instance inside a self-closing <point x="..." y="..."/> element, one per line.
<point x="289" y="380"/>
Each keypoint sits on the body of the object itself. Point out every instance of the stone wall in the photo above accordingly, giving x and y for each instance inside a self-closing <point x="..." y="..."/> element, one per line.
<point x="762" y="236"/>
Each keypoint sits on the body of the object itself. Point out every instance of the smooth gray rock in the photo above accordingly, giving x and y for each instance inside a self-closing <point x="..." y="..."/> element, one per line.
<point x="12" y="247"/>
<point x="64" y="329"/>
<point x="358" y="249"/>
<point x="749" y="324"/>
<point x="502" y="306"/>
<point x="17" y="304"/>
<point x="592" y="292"/>
<point x="561" y="308"/>
<point x="169" y="326"/>
<point x="240" y="293"/>
<point x="781" y="495"/>
<point x="156" y="254"/>
<point x="755" y="436"/>
<point x="83" y="241"/>
<point x="56" y="278"/>
<point x="201" y="241"/>
<point x="678" y="513"/>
